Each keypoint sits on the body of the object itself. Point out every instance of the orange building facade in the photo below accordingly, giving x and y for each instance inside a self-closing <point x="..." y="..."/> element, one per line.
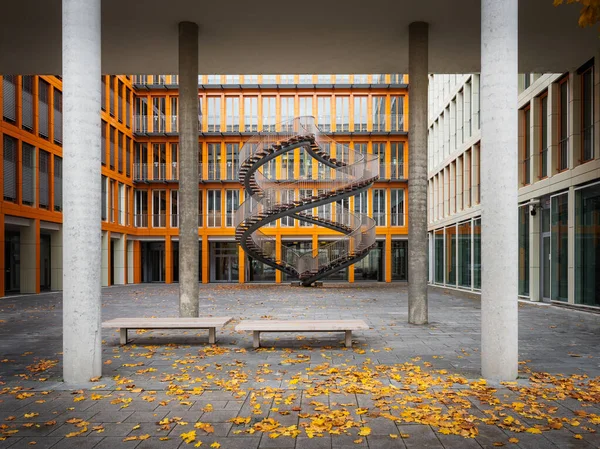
<point x="139" y="119"/>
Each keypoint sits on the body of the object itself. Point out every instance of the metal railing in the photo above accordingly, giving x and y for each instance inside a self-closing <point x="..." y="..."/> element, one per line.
<point x="159" y="171"/>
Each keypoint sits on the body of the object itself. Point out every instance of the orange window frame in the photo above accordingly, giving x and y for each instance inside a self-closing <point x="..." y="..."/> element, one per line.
<point x="543" y="121"/>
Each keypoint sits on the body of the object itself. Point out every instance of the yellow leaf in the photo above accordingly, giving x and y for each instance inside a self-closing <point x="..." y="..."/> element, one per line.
<point x="208" y="428"/>
<point x="215" y="445"/>
<point x="136" y="427"/>
<point x="198" y="444"/>
<point x="405" y="435"/>
<point x="498" y="444"/>
<point x="189" y="436"/>
<point x="144" y="437"/>
<point x="358" y="440"/>
<point x="393" y="436"/>
<point x="364" y="431"/>
<point x="513" y="440"/>
<point x="533" y="430"/>
<point x="130" y="439"/>
<point x="30" y="415"/>
<point x="79" y="398"/>
<point x="579" y="437"/>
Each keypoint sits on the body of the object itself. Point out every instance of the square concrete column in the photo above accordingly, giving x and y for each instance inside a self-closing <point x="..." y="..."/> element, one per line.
<point x="418" y="45"/>
<point x="82" y="336"/>
<point x="188" y="172"/>
<point x="499" y="213"/>
<point x="119" y="258"/>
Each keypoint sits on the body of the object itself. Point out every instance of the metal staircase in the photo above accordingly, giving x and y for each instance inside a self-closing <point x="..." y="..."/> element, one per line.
<point x="268" y="199"/>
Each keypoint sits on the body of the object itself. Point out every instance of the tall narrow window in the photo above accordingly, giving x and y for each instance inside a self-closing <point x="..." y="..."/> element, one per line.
<point x="58" y="188"/>
<point x="128" y="157"/>
<point x="214" y="114"/>
<point x="232" y="198"/>
<point x="10" y="168"/>
<point x="251" y="114"/>
<point x="44" y="176"/>
<point x="397" y="207"/>
<point x="127" y="108"/>
<point x="103" y="144"/>
<point x="9" y="98"/>
<point x="379" y="206"/>
<point x="104" y="200"/>
<point x="159" y="119"/>
<point x="563" y="124"/>
<point x="159" y="208"/>
<point x="214" y="161"/>
<point x="360" y="114"/>
<point x="379" y="113"/>
<point x="587" y="114"/>
<point x="305" y="165"/>
<point x="379" y="152"/>
<point x="342" y="114"/>
<point x="43" y="108"/>
<point x="122" y="203"/>
<point x="523" y="262"/>
<point x="324" y="111"/>
<point x="397" y="113"/>
<point x="120" y="147"/>
<point x="27" y="102"/>
<point x="269" y="115"/>
<point x="111" y="98"/>
<point x="543" y="148"/>
<point x="232" y="167"/>
<point x="361" y="203"/>
<point x="306" y="106"/>
<point x="159" y="151"/>
<point x="173" y="120"/>
<point x="28" y="174"/>
<point x="175" y="208"/>
<point x="287" y="166"/>
<point x="559" y="247"/>
<point x="140" y="205"/>
<point x="214" y="208"/>
<point x="141" y="115"/>
<point x="287" y="113"/>
<point x="112" y="136"/>
<point x="526" y="155"/>
<point x="397" y="159"/>
<point x="232" y="114"/>
<point x="58" y="107"/>
<point x="120" y="101"/>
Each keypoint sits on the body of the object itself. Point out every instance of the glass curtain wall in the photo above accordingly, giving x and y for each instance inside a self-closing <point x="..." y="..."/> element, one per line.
<point x="587" y="245"/>
<point x="439" y="256"/>
<point x="464" y="254"/>
<point x="400" y="260"/>
<point x="451" y="255"/>
<point x="477" y="253"/>
<point x="559" y="229"/>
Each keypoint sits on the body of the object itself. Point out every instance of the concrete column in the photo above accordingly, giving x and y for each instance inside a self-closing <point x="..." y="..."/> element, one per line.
<point x="499" y="214"/>
<point x="56" y="260"/>
<point x="188" y="171"/>
<point x="30" y="267"/>
<point x="418" y="45"/>
<point x="82" y="337"/>
<point x="119" y="266"/>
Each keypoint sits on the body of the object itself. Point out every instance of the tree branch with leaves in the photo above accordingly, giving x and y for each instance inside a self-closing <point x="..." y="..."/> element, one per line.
<point x="590" y="11"/>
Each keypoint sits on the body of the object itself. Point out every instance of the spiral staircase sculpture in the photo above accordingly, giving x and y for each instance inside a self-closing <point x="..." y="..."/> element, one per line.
<point x="269" y="199"/>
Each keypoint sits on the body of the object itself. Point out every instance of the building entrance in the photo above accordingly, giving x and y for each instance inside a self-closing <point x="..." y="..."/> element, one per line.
<point x="224" y="266"/>
<point x="12" y="262"/>
<point x="153" y="262"/>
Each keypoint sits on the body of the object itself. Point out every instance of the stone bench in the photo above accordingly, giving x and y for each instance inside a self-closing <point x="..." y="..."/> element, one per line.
<point x="210" y="323"/>
<point x="258" y="326"/>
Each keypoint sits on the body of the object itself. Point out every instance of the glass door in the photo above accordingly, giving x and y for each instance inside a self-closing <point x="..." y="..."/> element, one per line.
<point x="12" y="262"/>
<point x="545" y="266"/>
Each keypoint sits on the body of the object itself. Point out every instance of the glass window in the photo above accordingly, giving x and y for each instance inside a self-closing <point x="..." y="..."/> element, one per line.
<point x="399" y="260"/>
<point x="587" y="245"/>
<point x="58" y="188"/>
<point x="370" y="268"/>
<point x="360" y="114"/>
<point x="439" y="256"/>
<point x="287" y="196"/>
<point x="173" y="122"/>
<point x="287" y="79"/>
<point x="232" y="114"/>
<point x="464" y="254"/>
<point x="524" y="251"/>
<point x="232" y="79"/>
<point x="543" y="149"/>
<point x="269" y="114"/>
<point x="27" y="102"/>
<point x="397" y="205"/>
<point x="379" y="152"/>
<point x="159" y="208"/>
<point x="305" y="79"/>
<point x="232" y="198"/>
<point x="361" y="79"/>
<point x="287" y="113"/>
<point x="305" y="193"/>
<point x="141" y="115"/>
<point x="9" y="98"/>
<point x="559" y="229"/>
<point x="342" y="113"/>
<point x="232" y="167"/>
<point x="323" y="79"/>
<point x="214" y="208"/>
<point x="525" y="155"/>
<point x="305" y="165"/>
<point x="306" y="108"/>
<point x="587" y="112"/>
<point x="379" y="206"/>
<point x="43" y="108"/>
<point x="214" y="114"/>
<point x="251" y="114"/>
<point x="214" y="161"/>
<point x="269" y="79"/>
<point x="563" y="124"/>
<point x="324" y="111"/>
<point x="251" y="79"/>
<point x="450" y="258"/>
<point x="140" y="204"/>
<point x="360" y="203"/>
<point x="397" y="156"/>
<point x="213" y="79"/>
<point x="378" y="113"/>
<point x="10" y="168"/>
<point x="397" y="113"/>
<point x="28" y="174"/>
<point x="175" y="208"/>
<point x="477" y="253"/>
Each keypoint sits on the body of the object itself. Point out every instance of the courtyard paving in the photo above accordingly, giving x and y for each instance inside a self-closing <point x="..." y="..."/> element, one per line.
<point x="400" y="386"/>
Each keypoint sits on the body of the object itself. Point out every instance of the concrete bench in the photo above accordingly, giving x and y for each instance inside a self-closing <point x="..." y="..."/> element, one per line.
<point x="210" y="323"/>
<point x="258" y="326"/>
